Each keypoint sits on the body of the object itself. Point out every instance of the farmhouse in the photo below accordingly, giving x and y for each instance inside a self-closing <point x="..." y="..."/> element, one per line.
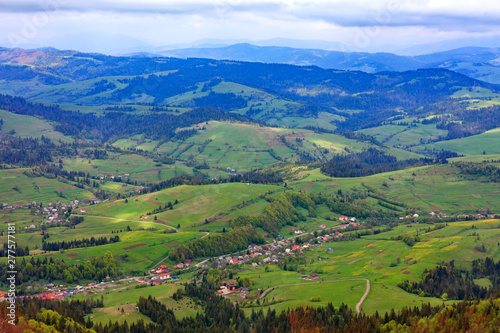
<point x="343" y="218"/>
<point x="156" y="281"/>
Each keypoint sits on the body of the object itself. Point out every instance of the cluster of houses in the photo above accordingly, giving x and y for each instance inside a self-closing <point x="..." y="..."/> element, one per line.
<point x="112" y="177"/>
<point x="344" y="218"/>
<point x="52" y="213"/>
<point x="164" y="273"/>
<point x="442" y="215"/>
<point x="231" y="287"/>
<point x="55" y="292"/>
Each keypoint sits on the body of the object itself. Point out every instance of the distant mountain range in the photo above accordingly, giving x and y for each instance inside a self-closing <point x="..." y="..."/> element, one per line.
<point x="477" y="62"/>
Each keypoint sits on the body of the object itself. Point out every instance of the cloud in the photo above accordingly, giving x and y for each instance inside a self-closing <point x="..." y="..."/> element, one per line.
<point x="176" y="21"/>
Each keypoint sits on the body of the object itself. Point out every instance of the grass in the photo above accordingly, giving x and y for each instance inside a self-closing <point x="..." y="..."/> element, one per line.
<point x="337" y="293"/>
<point x="384" y="297"/>
<point x="244" y="147"/>
<point x="29" y="126"/>
<point x="375" y="257"/>
<point x="196" y="203"/>
<point x="428" y="188"/>
<point x="153" y="247"/>
<point x="403" y="136"/>
<point x="17" y="188"/>
<point x="126" y="298"/>
<point x="486" y="142"/>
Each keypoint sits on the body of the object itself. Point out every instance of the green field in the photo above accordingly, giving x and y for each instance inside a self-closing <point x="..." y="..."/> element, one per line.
<point x="429" y="188"/>
<point x="385" y="262"/>
<point x="243" y="147"/>
<point x="196" y="203"/>
<point x="402" y="136"/>
<point x="28" y="126"/>
<point x="486" y="142"/>
<point x="17" y="188"/>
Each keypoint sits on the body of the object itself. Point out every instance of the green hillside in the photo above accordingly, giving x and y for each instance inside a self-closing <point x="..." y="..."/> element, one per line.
<point x="486" y="143"/>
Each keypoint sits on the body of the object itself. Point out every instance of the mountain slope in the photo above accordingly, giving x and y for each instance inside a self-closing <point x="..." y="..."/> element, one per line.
<point x="480" y="63"/>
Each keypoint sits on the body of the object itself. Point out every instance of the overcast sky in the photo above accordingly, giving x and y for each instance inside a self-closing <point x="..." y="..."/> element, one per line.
<point x="105" y="25"/>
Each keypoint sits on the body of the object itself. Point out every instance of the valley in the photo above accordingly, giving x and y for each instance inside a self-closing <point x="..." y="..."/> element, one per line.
<point x="265" y="188"/>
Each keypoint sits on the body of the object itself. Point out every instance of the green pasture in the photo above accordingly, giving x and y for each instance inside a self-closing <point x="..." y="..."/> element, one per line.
<point x="384" y="261"/>
<point x="429" y="188"/>
<point x="126" y="298"/>
<point x="17" y="188"/>
<point x="28" y="126"/>
<point x="397" y="135"/>
<point x="336" y="292"/>
<point x="486" y="142"/>
<point x="196" y="203"/>
<point x="150" y="248"/>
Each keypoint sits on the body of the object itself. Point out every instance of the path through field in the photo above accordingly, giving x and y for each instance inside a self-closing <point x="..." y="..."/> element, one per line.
<point x="358" y="306"/>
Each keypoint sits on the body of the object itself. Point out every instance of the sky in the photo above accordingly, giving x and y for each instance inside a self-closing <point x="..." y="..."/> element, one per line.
<point x="117" y="25"/>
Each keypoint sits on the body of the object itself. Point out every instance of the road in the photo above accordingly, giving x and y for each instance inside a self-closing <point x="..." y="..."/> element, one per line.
<point x="358" y="306"/>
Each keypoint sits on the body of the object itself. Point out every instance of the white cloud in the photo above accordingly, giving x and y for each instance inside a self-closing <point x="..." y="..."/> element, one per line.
<point x="167" y="21"/>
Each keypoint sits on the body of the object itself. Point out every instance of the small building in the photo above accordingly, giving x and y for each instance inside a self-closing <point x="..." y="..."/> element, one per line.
<point x="156" y="281"/>
<point x="313" y="276"/>
<point x="343" y="218"/>
<point x="244" y="291"/>
<point x="83" y="210"/>
<point x="232" y="287"/>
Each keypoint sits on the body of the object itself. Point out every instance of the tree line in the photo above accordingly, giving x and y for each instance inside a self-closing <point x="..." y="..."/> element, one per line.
<point x="220" y="315"/>
<point x="366" y="163"/>
<point x="78" y="243"/>
<point x="456" y="283"/>
<point x="50" y="269"/>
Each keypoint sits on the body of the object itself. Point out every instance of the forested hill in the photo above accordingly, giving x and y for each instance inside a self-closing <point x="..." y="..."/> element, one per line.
<point x="349" y="100"/>
<point x="116" y="124"/>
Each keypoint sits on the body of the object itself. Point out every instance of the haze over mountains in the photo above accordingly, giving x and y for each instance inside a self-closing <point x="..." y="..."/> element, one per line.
<point x="478" y="62"/>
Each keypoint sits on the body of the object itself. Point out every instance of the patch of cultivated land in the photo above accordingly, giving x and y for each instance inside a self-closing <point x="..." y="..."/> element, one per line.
<point x="17" y="188"/>
<point x="380" y="259"/>
<point x="195" y="203"/>
<point x="438" y="188"/>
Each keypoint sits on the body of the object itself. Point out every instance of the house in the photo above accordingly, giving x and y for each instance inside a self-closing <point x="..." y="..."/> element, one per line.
<point x="234" y="260"/>
<point x="323" y="226"/>
<point x="343" y="218"/>
<point x="432" y="213"/>
<point x="343" y="226"/>
<point x="353" y="219"/>
<point x="83" y="210"/>
<point x="180" y="265"/>
<point x="232" y="287"/>
<point x="313" y="276"/>
<point x="164" y="276"/>
<point x="244" y="291"/>
<point x="156" y="281"/>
